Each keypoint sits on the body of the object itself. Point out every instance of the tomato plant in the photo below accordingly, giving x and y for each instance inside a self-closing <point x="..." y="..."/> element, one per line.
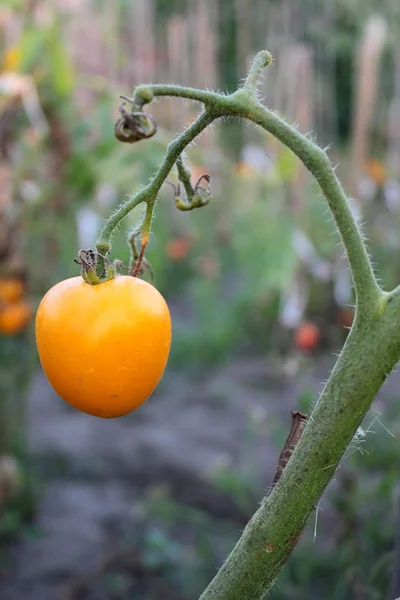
<point x="104" y="339"/>
<point x="104" y="347"/>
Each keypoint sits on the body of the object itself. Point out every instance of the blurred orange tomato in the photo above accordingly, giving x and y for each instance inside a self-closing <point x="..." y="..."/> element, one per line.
<point x="179" y="248"/>
<point x="15" y="317"/>
<point x="11" y="290"/>
<point x="307" y="336"/>
<point x="376" y="171"/>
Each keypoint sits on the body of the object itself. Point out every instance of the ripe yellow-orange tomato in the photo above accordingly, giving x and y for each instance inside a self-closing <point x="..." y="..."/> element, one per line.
<point x="104" y="347"/>
<point x="11" y="289"/>
<point x="14" y="317"/>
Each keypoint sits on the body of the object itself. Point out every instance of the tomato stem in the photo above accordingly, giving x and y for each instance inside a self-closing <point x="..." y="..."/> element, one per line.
<point x="145" y="231"/>
<point x="149" y="193"/>
<point x="137" y="267"/>
<point x="244" y="104"/>
<point x="197" y="195"/>
<point x="370" y="353"/>
<point x="263" y="59"/>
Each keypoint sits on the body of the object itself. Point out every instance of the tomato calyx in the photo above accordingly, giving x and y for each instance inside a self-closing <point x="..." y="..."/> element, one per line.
<point x="134" y="126"/>
<point x="90" y="262"/>
<point x="196" y="196"/>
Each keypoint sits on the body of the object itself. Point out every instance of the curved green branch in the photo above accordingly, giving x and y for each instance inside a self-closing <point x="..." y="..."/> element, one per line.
<point x="149" y="193"/>
<point x="369" y="355"/>
<point x="244" y="104"/>
<point x="143" y="94"/>
<point x="317" y="162"/>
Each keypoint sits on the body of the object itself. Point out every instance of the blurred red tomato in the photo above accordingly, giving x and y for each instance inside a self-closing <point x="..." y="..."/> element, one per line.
<point x="179" y="248"/>
<point x="307" y="336"/>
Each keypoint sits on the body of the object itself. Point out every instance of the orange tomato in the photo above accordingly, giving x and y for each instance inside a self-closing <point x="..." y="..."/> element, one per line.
<point x="11" y="290"/>
<point x="14" y="317"/>
<point x="103" y="348"/>
<point x="307" y="336"/>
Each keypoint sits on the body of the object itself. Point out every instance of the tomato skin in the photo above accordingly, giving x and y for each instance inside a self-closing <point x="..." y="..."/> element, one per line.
<point x="307" y="337"/>
<point x="103" y="348"/>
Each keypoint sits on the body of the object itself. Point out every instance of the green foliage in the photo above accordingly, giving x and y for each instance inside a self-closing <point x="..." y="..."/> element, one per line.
<point x="43" y="52"/>
<point x="18" y="488"/>
<point x="170" y="7"/>
<point x="18" y="511"/>
<point x="185" y="541"/>
<point x="16" y="366"/>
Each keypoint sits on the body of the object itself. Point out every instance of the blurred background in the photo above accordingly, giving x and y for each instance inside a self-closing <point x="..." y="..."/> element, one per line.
<point x="147" y="506"/>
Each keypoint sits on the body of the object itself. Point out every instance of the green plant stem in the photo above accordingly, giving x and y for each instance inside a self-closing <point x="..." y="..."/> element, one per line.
<point x="244" y="104"/>
<point x="318" y="163"/>
<point x="185" y="177"/>
<point x="369" y="355"/>
<point x="145" y="93"/>
<point x="262" y="60"/>
<point x="103" y="244"/>
<point x="273" y="532"/>
<point x="149" y="193"/>
<point x="147" y="221"/>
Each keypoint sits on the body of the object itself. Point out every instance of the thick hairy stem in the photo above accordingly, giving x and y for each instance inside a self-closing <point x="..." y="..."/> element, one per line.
<point x="103" y="244"/>
<point x="318" y="163"/>
<point x="149" y="193"/>
<point x="370" y="353"/>
<point x="145" y="231"/>
<point x="243" y="104"/>
<point x="145" y="93"/>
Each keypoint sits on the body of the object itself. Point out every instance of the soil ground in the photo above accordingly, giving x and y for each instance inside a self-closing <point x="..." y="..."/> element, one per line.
<point x="95" y="471"/>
